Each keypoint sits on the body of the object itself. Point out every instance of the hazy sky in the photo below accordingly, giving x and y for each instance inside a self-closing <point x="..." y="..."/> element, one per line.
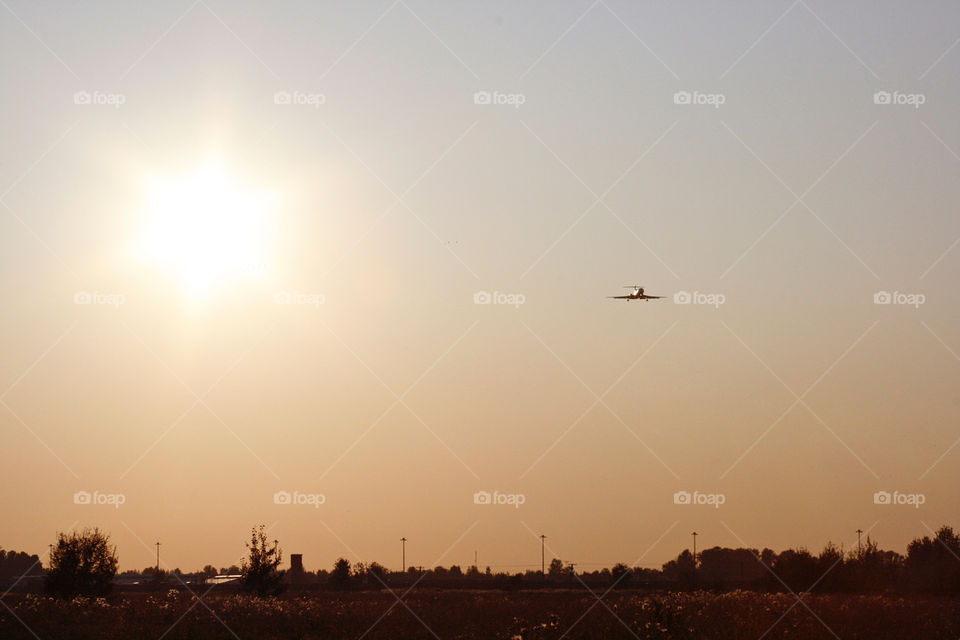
<point x="151" y="164"/>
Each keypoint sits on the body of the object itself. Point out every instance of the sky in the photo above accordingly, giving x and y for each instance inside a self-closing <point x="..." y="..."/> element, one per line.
<point x="342" y="268"/>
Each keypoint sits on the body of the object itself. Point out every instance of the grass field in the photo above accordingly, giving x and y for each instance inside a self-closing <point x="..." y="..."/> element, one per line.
<point x="468" y="615"/>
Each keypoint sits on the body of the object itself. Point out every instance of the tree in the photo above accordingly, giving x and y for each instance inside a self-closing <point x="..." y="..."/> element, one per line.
<point x="621" y="575"/>
<point x="377" y="574"/>
<point x="16" y="564"/>
<point x="340" y="575"/>
<point x="724" y="567"/>
<point x="260" y="571"/>
<point x="555" y="570"/>
<point x="682" y="570"/>
<point x="876" y="569"/>
<point x="931" y="564"/>
<point x="359" y="571"/>
<point x="831" y="568"/>
<point x="796" y="568"/>
<point x="81" y="563"/>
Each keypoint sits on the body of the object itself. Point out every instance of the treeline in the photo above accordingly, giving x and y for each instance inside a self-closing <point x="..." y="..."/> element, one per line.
<point x="85" y="563"/>
<point x="931" y="564"/>
<point x="14" y="564"/>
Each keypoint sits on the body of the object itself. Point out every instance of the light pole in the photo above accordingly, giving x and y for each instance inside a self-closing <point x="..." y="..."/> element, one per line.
<point x="542" y="557"/>
<point x="694" y="534"/>
<point x="158" y="558"/>
<point x="403" y="555"/>
<point x="859" y="531"/>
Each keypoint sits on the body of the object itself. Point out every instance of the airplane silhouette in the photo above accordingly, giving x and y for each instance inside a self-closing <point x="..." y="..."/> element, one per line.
<point x="637" y="294"/>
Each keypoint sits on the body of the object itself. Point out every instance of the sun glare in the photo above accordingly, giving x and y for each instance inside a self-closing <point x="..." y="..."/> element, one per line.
<point x="205" y="228"/>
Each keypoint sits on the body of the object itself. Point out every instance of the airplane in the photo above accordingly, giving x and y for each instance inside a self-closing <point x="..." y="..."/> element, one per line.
<point x="637" y="294"/>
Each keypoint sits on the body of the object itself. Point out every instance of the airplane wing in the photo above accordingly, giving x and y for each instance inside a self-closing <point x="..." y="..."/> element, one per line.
<point x="652" y="297"/>
<point x="620" y="297"/>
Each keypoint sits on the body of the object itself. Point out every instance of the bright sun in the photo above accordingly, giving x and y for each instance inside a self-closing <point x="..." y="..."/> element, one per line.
<point x="205" y="228"/>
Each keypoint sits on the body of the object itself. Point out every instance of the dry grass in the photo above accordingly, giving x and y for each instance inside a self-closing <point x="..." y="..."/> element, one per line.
<point x="467" y="615"/>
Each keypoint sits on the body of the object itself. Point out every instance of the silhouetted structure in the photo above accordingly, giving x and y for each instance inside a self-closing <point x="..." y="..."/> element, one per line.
<point x="296" y="574"/>
<point x="296" y="563"/>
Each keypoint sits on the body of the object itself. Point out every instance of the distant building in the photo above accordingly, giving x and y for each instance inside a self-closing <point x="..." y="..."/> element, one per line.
<point x="295" y="575"/>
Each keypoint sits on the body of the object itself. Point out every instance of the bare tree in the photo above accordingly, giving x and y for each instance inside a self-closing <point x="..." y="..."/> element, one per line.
<point x="261" y="573"/>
